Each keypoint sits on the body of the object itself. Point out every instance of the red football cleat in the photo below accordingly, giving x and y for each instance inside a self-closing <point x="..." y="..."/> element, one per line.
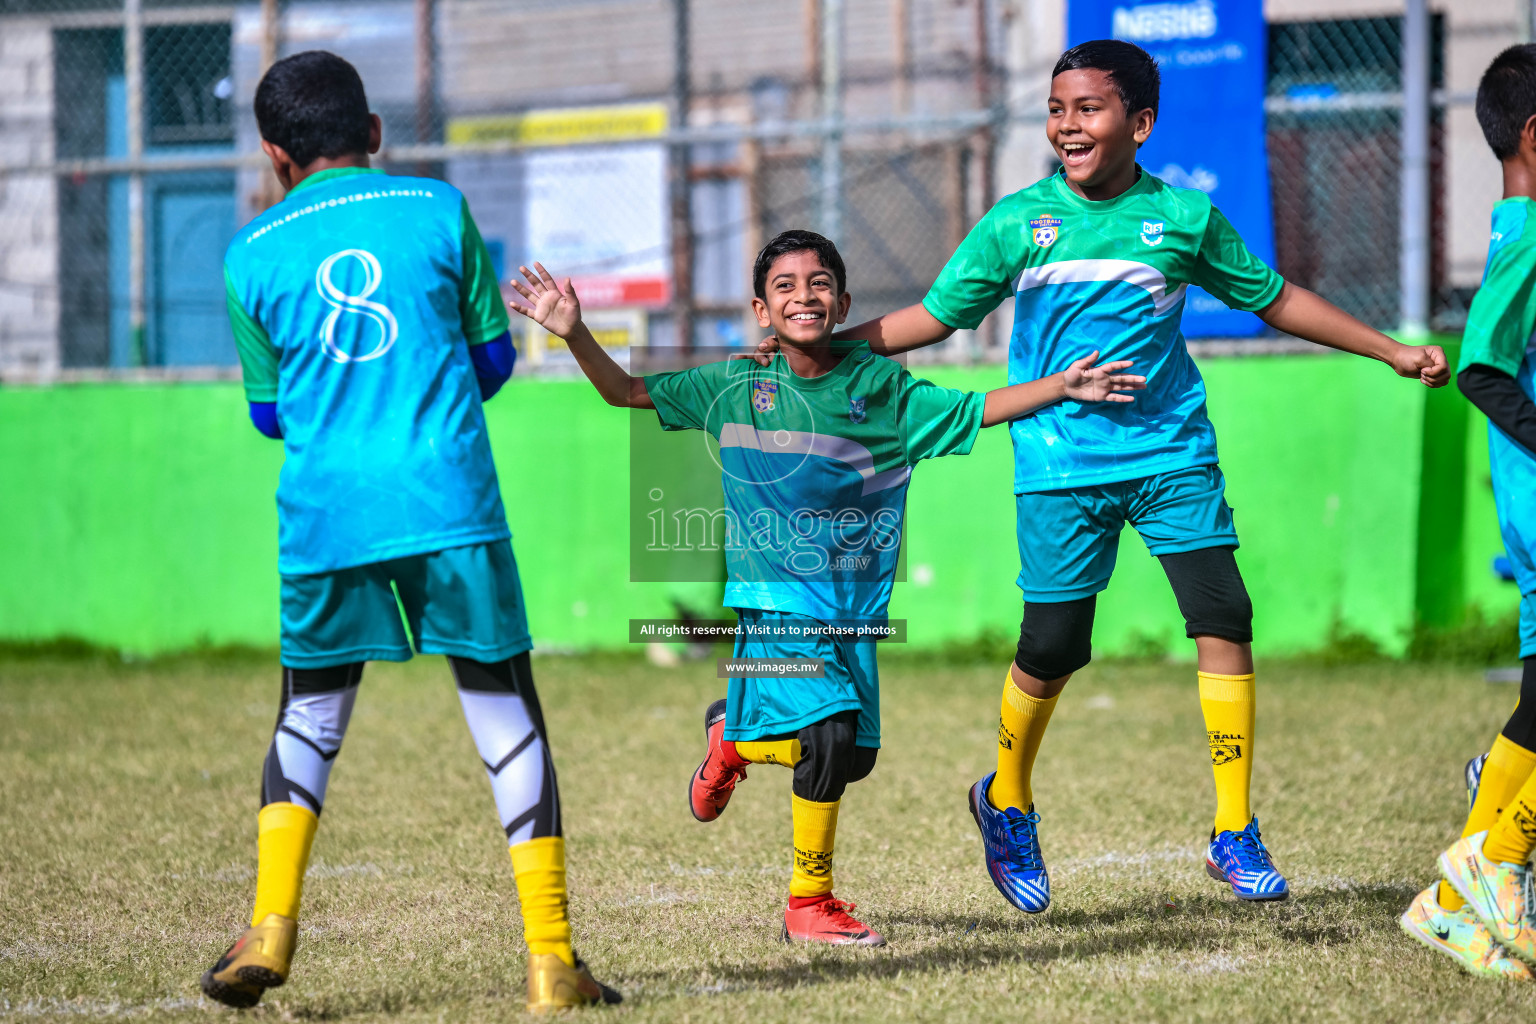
<point x="827" y="920"/>
<point x="715" y="779"/>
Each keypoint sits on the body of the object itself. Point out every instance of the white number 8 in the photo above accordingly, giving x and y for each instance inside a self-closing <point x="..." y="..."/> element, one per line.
<point x="341" y="302"/>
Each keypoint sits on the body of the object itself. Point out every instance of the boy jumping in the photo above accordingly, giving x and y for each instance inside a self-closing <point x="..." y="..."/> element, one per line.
<point x="1098" y="256"/>
<point x="1481" y="913"/>
<point x="370" y="329"/>
<point x="817" y="447"/>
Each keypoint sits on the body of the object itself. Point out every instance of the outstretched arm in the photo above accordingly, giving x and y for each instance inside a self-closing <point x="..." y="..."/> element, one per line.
<point x="556" y="308"/>
<point x="1310" y="317"/>
<point x="1081" y="382"/>
<point x="899" y="331"/>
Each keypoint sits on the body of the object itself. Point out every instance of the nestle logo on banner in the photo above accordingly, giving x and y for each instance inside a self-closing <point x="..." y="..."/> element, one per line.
<point x="1151" y="23"/>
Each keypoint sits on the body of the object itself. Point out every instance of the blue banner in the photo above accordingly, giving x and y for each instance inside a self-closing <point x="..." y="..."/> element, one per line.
<point x="1210" y="120"/>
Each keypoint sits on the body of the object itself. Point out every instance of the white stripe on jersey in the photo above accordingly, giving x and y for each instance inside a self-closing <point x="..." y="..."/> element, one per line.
<point x="801" y="442"/>
<point x="1084" y="271"/>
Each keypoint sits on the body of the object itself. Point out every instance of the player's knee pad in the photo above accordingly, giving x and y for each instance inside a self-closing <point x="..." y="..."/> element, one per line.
<point x="1521" y="727"/>
<point x="863" y="763"/>
<point x="1056" y="638"/>
<point x="1212" y="596"/>
<point x="502" y="709"/>
<point x="826" y="757"/>
<point x="311" y="723"/>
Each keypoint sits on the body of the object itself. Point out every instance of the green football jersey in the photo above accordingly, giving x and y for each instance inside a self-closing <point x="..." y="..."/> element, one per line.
<point x="815" y="472"/>
<point x="1499" y="334"/>
<point x="1109" y="276"/>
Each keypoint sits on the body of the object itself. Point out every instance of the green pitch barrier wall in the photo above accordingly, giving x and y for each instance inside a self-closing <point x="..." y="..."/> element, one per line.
<point x="142" y="516"/>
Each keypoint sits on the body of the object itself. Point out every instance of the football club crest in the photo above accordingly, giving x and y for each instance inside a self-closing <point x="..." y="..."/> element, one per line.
<point x="1044" y="231"/>
<point x="1152" y="232"/>
<point x="856" y="410"/>
<point x="762" y="395"/>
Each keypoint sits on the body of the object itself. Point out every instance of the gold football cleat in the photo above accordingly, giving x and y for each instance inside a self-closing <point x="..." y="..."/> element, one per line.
<point x="258" y="960"/>
<point x="553" y="985"/>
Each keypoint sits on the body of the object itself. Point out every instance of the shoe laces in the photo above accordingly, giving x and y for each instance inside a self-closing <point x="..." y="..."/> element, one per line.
<point x="1248" y="847"/>
<point x="839" y="913"/>
<point x="723" y="777"/>
<point x="1021" y="832"/>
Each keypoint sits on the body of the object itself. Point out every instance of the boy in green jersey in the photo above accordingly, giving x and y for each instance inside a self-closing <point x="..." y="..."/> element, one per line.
<point x="1480" y="914"/>
<point x="1099" y="256"/>
<point x="816" y="447"/>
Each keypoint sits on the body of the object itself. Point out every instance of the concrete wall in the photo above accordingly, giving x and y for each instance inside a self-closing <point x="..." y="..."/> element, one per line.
<point x="29" y="246"/>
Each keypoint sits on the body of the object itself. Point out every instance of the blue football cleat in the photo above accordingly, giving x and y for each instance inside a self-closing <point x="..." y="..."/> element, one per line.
<point x="1012" y="847"/>
<point x="1240" y="860"/>
<point x="1474" y="776"/>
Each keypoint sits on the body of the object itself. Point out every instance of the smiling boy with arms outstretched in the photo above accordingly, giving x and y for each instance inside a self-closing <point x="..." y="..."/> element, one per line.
<point x="1099" y="257"/>
<point x="817" y="449"/>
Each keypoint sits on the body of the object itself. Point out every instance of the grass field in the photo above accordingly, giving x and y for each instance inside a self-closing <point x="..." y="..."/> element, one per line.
<point x="128" y="796"/>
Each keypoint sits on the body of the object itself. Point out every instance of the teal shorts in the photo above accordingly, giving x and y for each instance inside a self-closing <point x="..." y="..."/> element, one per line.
<point x="757" y="708"/>
<point x="466" y="601"/>
<point x="1068" y="539"/>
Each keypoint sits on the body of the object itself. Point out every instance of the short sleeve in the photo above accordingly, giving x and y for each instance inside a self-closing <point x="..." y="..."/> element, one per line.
<point x="684" y="398"/>
<point x="481" y="309"/>
<point x="1225" y="268"/>
<point x="937" y="421"/>
<point x="1503" y="313"/>
<point x="977" y="277"/>
<point x="258" y="356"/>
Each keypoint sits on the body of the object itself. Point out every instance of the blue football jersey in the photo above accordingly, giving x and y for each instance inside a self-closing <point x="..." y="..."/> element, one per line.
<point x="356" y="278"/>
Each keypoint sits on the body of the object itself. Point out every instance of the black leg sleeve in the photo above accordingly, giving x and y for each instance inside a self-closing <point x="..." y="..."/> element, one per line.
<point x="1211" y="594"/>
<point x="826" y="757"/>
<point x="1521" y="727"/>
<point x="1056" y="638"/>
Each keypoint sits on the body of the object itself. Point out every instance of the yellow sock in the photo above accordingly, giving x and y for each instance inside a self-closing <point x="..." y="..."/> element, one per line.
<point x="1020" y="728"/>
<point x="1227" y="703"/>
<point x="815" y="828"/>
<point x="539" y="867"/>
<point x="1508" y="767"/>
<point x="1511" y="838"/>
<point x="284" y="834"/>
<point x="784" y="752"/>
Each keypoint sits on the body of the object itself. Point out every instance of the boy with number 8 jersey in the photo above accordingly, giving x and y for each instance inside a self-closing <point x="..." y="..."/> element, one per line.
<point x="1098" y="256"/>
<point x="370" y="330"/>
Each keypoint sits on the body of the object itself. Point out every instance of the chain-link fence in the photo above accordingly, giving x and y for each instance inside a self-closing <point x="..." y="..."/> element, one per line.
<point x="1335" y="123"/>
<point x="129" y="153"/>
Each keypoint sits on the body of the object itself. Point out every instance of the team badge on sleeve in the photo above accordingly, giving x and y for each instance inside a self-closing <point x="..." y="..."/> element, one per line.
<point x="1152" y="232"/>
<point x="762" y="395"/>
<point x="1044" y="230"/>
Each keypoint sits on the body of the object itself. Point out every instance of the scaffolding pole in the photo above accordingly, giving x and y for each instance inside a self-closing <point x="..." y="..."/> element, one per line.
<point x="133" y="76"/>
<point x="1413" y="271"/>
<point x="679" y="188"/>
<point x="832" y="116"/>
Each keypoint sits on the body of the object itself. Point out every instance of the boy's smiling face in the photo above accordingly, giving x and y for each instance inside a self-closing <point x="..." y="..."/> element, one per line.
<point x="1095" y="138"/>
<point x="803" y="304"/>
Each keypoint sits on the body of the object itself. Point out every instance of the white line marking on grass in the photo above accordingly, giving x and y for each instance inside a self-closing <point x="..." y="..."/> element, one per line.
<point x="86" y="1007"/>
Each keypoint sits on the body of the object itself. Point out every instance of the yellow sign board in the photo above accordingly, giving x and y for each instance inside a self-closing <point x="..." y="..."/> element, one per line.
<point x="564" y="125"/>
